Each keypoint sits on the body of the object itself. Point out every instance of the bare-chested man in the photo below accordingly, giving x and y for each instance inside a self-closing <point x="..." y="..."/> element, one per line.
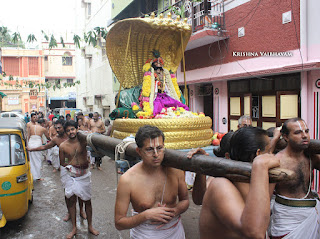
<point x="83" y="122"/>
<point x="295" y="213"/>
<point x="97" y="126"/>
<point x="35" y="132"/>
<point x="158" y="194"/>
<point x="54" y="145"/>
<point x="75" y="175"/>
<point x="52" y="130"/>
<point x="237" y="210"/>
<point x="52" y="152"/>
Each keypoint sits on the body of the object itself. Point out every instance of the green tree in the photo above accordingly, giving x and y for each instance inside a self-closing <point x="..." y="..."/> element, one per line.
<point x="6" y="40"/>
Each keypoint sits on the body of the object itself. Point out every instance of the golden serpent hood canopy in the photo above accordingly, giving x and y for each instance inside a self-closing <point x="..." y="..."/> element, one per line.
<point x="138" y="37"/>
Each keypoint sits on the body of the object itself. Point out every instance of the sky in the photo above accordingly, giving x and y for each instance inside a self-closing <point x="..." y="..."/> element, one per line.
<point x="55" y="17"/>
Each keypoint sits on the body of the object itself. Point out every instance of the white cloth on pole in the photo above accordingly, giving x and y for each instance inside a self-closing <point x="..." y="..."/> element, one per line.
<point x="55" y="161"/>
<point x="189" y="178"/>
<point x="36" y="157"/>
<point x="295" y="222"/>
<point x="171" y="230"/>
<point x="79" y="186"/>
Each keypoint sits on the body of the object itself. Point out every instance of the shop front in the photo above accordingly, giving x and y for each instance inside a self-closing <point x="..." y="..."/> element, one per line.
<point x="269" y="100"/>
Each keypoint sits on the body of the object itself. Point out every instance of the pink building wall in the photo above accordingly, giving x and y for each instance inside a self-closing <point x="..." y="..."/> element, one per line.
<point x="220" y="106"/>
<point x="309" y="103"/>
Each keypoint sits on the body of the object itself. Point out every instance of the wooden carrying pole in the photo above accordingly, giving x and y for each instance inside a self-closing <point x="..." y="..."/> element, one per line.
<point x="213" y="166"/>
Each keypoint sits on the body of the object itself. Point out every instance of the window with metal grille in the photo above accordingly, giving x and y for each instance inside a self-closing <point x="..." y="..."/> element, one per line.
<point x="67" y="60"/>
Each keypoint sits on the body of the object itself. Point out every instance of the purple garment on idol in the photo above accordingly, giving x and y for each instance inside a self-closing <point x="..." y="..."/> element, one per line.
<point x="165" y="101"/>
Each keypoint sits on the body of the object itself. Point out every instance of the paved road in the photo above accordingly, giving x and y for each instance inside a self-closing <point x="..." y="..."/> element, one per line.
<point x="44" y="219"/>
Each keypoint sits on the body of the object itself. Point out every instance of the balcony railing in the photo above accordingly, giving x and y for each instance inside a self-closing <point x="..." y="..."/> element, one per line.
<point x="203" y="14"/>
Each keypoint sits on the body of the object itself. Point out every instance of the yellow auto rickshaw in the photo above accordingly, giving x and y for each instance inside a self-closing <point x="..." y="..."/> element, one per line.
<point x="16" y="182"/>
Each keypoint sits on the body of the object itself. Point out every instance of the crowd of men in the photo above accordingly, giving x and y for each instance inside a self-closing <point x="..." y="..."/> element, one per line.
<point x="56" y="140"/>
<point x="159" y="195"/>
<point x="230" y="209"/>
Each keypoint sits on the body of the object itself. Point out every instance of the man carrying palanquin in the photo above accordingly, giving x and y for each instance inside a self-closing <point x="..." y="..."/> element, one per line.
<point x="295" y="213"/>
<point x="153" y="190"/>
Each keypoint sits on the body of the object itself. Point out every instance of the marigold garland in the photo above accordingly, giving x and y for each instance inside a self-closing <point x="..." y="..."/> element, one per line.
<point x="148" y="88"/>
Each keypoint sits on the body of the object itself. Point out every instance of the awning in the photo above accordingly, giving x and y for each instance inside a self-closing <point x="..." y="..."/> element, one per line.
<point x="2" y="94"/>
<point x="59" y="98"/>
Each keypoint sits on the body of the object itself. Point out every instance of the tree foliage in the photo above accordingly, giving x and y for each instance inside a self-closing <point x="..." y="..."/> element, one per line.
<point x="53" y="42"/>
<point x="32" y="84"/>
<point x="7" y="40"/>
<point x="31" y="38"/>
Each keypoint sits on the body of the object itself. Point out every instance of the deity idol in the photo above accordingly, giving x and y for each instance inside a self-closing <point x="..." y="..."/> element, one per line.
<point x="160" y="90"/>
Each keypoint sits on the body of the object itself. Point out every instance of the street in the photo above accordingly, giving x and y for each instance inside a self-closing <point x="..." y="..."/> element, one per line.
<point x="46" y="213"/>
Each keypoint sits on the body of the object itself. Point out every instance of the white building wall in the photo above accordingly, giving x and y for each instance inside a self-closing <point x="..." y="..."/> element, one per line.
<point x="54" y="69"/>
<point x="95" y="90"/>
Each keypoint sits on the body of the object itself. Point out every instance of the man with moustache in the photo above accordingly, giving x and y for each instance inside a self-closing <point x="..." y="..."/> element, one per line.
<point x="75" y="175"/>
<point x="295" y="213"/>
<point x="158" y="194"/>
<point x="54" y="144"/>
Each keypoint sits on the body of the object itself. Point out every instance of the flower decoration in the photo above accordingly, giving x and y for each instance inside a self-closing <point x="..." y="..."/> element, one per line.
<point x="146" y="67"/>
<point x="175" y="84"/>
<point x="146" y="86"/>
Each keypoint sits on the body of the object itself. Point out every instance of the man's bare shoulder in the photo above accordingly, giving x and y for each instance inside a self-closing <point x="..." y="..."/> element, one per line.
<point x="133" y="171"/>
<point x="43" y="129"/>
<point x="218" y="186"/>
<point x="280" y="154"/>
<point x="174" y="171"/>
<point x="56" y="139"/>
<point x="64" y="144"/>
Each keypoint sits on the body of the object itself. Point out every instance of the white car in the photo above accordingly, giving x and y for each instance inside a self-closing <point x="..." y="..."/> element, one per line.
<point x="11" y="114"/>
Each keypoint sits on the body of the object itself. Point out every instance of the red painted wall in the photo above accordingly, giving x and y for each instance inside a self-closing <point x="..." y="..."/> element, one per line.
<point x="11" y="66"/>
<point x="23" y="66"/>
<point x="264" y="31"/>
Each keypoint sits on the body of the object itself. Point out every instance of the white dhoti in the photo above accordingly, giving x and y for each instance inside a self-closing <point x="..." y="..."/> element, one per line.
<point x="44" y="142"/>
<point x="55" y="161"/>
<point x="79" y="186"/>
<point x="36" y="157"/>
<point x="49" y="155"/>
<point x="172" y="230"/>
<point x="295" y="222"/>
<point x="92" y="159"/>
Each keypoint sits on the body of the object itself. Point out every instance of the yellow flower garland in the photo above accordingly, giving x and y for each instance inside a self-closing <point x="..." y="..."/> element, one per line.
<point x="146" y="67"/>
<point x="146" y="90"/>
<point x="146" y="86"/>
<point x="176" y="86"/>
